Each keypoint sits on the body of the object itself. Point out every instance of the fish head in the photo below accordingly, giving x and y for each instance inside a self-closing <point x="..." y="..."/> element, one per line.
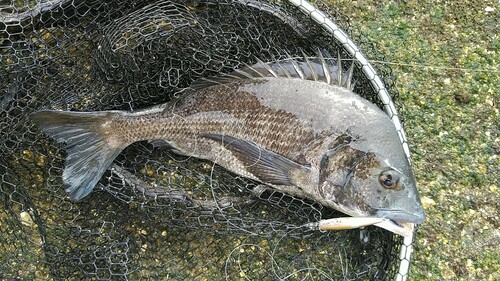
<point x="364" y="184"/>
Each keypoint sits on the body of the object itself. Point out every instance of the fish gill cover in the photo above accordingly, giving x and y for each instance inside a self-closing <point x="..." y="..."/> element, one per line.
<point x="155" y="214"/>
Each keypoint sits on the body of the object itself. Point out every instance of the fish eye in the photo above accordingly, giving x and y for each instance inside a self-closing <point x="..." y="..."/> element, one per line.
<point x="389" y="179"/>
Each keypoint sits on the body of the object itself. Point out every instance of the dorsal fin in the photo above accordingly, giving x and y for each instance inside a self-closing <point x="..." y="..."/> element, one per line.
<point x="339" y="73"/>
<point x="317" y="68"/>
<point x="326" y="71"/>
<point x="309" y="65"/>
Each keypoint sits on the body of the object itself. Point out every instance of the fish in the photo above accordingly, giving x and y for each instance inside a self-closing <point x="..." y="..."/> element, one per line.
<point x="294" y="125"/>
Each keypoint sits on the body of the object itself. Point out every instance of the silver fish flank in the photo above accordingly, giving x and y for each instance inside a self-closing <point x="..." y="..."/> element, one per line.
<point x="293" y="125"/>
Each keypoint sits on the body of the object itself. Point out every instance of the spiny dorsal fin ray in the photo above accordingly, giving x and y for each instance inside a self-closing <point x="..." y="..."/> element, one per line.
<point x="339" y="69"/>
<point x="308" y="63"/>
<point x="326" y="70"/>
<point x="267" y="67"/>
<point x="285" y="71"/>
<point x="317" y="68"/>
<point x="348" y="82"/>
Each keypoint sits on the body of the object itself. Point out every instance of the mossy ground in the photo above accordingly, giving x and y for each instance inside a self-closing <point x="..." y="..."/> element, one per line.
<point x="446" y="57"/>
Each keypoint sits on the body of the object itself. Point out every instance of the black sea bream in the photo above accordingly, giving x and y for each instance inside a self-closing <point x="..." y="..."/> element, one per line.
<point x="293" y="125"/>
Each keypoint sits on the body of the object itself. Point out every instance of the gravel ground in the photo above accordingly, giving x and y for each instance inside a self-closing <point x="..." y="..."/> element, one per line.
<point x="445" y="56"/>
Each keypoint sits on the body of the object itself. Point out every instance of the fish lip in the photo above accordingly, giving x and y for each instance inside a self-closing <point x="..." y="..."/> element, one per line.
<point x="401" y="216"/>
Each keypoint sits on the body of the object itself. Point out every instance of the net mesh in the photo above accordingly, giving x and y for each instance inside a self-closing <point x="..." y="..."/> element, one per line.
<point x="156" y="214"/>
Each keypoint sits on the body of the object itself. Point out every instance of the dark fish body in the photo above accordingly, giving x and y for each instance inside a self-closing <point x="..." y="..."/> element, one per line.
<point x="305" y="134"/>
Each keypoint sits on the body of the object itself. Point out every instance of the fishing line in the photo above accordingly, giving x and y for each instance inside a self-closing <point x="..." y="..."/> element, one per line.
<point x="436" y="67"/>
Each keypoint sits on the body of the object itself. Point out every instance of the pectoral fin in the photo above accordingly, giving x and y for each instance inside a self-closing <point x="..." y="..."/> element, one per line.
<point x="267" y="166"/>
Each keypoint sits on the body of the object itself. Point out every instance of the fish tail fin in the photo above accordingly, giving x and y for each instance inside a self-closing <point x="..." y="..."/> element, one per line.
<point x="89" y="151"/>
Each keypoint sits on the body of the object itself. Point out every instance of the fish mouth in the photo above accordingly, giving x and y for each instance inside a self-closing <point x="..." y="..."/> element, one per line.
<point x="401" y="216"/>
